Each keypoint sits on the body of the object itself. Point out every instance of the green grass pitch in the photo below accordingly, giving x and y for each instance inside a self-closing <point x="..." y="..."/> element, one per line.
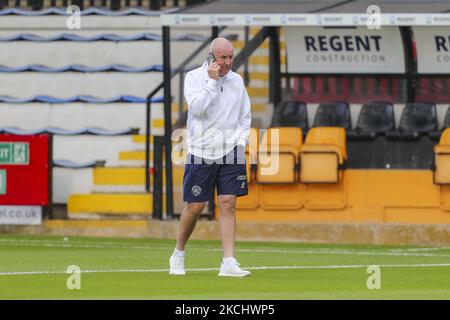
<point x="34" y="267"/>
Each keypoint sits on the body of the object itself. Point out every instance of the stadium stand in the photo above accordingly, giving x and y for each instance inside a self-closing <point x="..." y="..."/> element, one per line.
<point x="99" y="37"/>
<point x="67" y="164"/>
<point x="67" y="132"/>
<point x="77" y="98"/>
<point x="93" y="6"/>
<point x="87" y="89"/>
<point x="72" y="84"/>
<point x="80" y="68"/>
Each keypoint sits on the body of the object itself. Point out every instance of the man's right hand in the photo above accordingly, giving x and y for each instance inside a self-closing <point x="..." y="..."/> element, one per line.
<point x="213" y="70"/>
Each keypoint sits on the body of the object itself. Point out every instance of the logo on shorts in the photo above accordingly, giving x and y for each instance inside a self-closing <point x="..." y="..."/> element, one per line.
<point x="241" y="177"/>
<point x="243" y="185"/>
<point x="196" y="190"/>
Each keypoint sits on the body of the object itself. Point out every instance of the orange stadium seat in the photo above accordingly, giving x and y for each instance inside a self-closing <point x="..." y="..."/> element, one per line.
<point x="251" y="201"/>
<point x="323" y="155"/>
<point x="251" y="153"/>
<point x="441" y="172"/>
<point x="277" y="169"/>
<point x="278" y="155"/>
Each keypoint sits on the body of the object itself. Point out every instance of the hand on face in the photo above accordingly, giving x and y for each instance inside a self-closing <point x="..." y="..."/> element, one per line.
<point x="213" y="70"/>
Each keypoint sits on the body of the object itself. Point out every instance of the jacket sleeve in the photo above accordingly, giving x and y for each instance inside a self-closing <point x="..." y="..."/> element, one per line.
<point x="245" y="118"/>
<point x="199" y="95"/>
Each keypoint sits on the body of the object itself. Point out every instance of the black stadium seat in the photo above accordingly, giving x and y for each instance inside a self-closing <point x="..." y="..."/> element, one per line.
<point x="417" y="119"/>
<point x="435" y="136"/>
<point x="291" y="114"/>
<point x="447" y="119"/>
<point x="375" y="118"/>
<point x="333" y="114"/>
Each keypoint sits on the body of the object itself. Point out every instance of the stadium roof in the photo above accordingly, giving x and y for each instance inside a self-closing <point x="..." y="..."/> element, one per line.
<point x="352" y="12"/>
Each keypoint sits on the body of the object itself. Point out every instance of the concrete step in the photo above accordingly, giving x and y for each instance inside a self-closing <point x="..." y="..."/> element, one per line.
<point x="264" y="60"/>
<point x="116" y="205"/>
<point x="139" y="155"/>
<point x="119" y="176"/>
<point x="136" y="204"/>
<point x="258" y="91"/>
<point x="259" y="107"/>
<point x="262" y="76"/>
<point x="68" y="84"/>
<point x="140" y="138"/>
<point x="110" y="116"/>
<point x="131" y="53"/>
<point x="134" y="155"/>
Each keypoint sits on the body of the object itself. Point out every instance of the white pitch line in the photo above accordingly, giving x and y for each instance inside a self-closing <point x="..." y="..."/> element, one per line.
<point x="421" y="265"/>
<point x="428" y="249"/>
<point x="118" y="244"/>
<point x="68" y="244"/>
<point x="84" y="244"/>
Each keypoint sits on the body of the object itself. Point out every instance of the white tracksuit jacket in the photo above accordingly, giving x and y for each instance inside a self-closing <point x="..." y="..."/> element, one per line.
<point x="218" y="113"/>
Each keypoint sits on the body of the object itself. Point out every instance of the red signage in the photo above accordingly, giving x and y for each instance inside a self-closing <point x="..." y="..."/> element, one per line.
<point x="24" y="169"/>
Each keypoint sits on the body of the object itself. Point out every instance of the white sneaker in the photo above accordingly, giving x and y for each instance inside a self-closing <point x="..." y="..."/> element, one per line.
<point x="176" y="264"/>
<point x="232" y="269"/>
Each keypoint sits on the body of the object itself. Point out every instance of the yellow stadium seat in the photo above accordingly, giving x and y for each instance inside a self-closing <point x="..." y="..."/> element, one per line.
<point x="250" y="201"/>
<point x="323" y="155"/>
<point x="251" y="152"/>
<point x="277" y="169"/>
<point x="278" y="155"/>
<point x="441" y="172"/>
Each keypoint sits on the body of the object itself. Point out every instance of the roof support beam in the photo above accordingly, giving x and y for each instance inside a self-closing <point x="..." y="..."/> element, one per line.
<point x="274" y="66"/>
<point x="167" y="120"/>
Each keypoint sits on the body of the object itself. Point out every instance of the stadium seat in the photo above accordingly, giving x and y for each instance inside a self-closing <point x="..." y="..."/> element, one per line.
<point x="291" y="114"/>
<point x="375" y="118"/>
<point x="251" y="153"/>
<point x="251" y="201"/>
<point x="417" y="119"/>
<point x="277" y="169"/>
<point x="323" y="155"/>
<point x="447" y="119"/>
<point x="333" y="114"/>
<point x="435" y="136"/>
<point x="441" y="170"/>
<point x="278" y="155"/>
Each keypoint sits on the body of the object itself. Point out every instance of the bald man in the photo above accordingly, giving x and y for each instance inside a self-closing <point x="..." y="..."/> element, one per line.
<point x="218" y="127"/>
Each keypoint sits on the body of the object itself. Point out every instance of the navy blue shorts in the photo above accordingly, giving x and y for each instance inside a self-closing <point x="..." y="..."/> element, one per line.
<point x="228" y="174"/>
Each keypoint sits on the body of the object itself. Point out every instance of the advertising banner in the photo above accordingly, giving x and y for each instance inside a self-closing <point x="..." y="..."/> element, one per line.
<point x="433" y="49"/>
<point x="21" y="215"/>
<point x="344" y="50"/>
